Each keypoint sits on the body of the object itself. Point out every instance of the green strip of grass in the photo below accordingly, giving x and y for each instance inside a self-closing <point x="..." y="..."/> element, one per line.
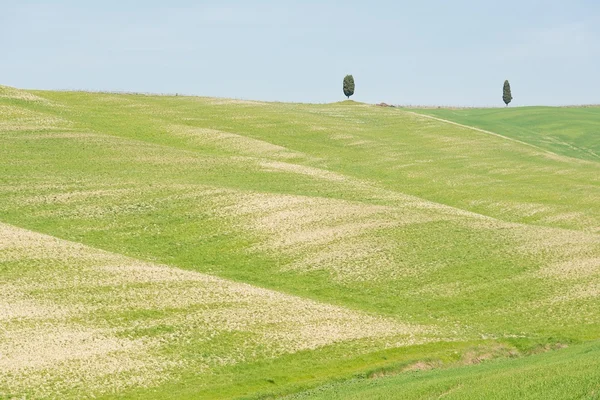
<point x="572" y="373"/>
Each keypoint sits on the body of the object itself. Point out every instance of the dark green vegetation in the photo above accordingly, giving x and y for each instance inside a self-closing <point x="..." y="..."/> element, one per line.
<point x="436" y="245"/>
<point x="506" y="93"/>
<point x="348" y="86"/>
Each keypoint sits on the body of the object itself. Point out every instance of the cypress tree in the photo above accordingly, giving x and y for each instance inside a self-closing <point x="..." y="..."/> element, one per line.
<point x="506" y="94"/>
<point x="348" y="85"/>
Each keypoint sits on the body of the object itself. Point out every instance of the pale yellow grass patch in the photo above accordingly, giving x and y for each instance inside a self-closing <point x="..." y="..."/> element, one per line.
<point x="582" y="293"/>
<point x="579" y="292"/>
<point x="555" y="242"/>
<point x="278" y="166"/>
<point x="361" y="143"/>
<point x="363" y="188"/>
<point x="521" y="209"/>
<point x="15" y="304"/>
<point x="546" y="214"/>
<point x="327" y="234"/>
<point x="44" y="346"/>
<point x="77" y="195"/>
<point x="228" y="141"/>
<point x="573" y="218"/>
<point x="56" y="134"/>
<point x="8" y="92"/>
<point x="545" y="243"/>
<point x="16" y="244"/>
<point x="565" y="254"/>
<point x="48" y="360"/>
<point x="352" y="259"/>
<point x="573" y="269"/>
<point x="565" y="216"/>
<point x="55" y="336"/>
<point x="342" y="136"/>
<point x="18" y="119"/>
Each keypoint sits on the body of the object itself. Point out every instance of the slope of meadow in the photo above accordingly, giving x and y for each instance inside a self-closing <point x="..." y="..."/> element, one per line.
<point x="158" y="246"/>
<point x="571" y="131"/>
<point x="563" y="374"/>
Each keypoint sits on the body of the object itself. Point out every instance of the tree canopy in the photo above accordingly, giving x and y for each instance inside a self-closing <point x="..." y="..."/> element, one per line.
<point x="348" y="85"/>
<point x="506" y="93"/>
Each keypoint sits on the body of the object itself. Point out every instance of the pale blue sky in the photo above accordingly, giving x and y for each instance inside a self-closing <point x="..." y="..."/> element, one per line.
<point x="404" y="52"/>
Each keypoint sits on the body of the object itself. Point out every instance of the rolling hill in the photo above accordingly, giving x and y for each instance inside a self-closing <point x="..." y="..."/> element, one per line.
<point x="188" y="247"/>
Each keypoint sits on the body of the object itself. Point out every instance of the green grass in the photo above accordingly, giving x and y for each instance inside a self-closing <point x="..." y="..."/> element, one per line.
<point x="458" y="237"/>
<point x="569" y="131"/>
<point x="564" y="374"/>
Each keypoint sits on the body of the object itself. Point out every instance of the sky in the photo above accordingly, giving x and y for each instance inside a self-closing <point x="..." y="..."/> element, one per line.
<point x="419" y="52"/>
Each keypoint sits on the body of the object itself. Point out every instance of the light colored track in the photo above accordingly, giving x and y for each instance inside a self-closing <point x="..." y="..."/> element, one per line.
<point x="482" y="131"/>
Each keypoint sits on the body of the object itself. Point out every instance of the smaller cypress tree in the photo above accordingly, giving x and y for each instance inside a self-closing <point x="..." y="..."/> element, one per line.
<point x="506" y="93"/>
<point x="348" y="85"/>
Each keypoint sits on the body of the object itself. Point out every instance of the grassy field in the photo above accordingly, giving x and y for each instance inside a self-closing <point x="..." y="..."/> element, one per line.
<point x="564" y="374"/>
<point x="570" y="131"/>
<point x="185" y="247"/>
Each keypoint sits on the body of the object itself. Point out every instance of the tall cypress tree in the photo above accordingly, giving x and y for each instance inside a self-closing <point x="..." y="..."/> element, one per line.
<point x="506" y="94"/>
<point x="348" y="85"/>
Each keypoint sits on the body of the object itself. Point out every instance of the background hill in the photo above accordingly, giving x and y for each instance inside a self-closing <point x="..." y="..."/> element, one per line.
<point x="570" y="131"/>
<point x="171" y="246"/>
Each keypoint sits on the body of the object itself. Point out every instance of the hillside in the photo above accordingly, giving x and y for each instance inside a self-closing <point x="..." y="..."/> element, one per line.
<point x="569" y="131"/>
<point x="563" y="374"/>
<point x="173" y="247"/>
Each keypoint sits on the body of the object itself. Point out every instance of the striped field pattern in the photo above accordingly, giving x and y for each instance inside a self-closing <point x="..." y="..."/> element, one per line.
<point x="188" y="247"/>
